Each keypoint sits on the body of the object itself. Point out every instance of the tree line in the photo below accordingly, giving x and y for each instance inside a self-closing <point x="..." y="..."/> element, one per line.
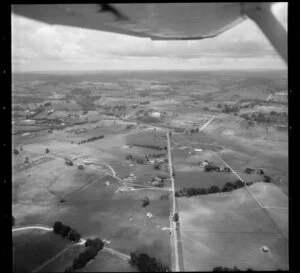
<point x="235" y="268"/>
<point x="154" y="155"/>
<point x="151" y="147"/>
<point x="272" y="117"/>
<point x="228" y="269"/>
<point x="91" y="139"/>
<point x="66" y="231"/>
<point x="229" y="186"/>
<point x="145" y="263"/>
<point x="139" y="160"/>
<point x="93" y="246"/>
<point x="211" y="167"/>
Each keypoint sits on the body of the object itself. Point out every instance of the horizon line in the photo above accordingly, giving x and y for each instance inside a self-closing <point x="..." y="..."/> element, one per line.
<point x="147" y="70"/>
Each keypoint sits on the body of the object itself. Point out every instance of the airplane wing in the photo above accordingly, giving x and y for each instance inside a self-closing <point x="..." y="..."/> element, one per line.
<point x="158" y="21"/>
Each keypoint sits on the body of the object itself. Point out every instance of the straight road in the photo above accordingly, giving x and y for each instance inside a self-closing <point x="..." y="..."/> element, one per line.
<point x="269" y="97"/>
<point x="201" y="128"/>
<point x="173" y="209"/>
<point x="117" y="253"/>
<point x="239" y="177"/>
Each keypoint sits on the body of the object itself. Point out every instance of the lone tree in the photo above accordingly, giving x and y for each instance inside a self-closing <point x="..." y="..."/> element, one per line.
<point x="176" y="217"/>
<point x="58" y="227"/>
<point x="47" y="150"/>
<point x="267" y="179"/>
<point x="157" y="165"/>
<point x="16" y="152"/>
<point x="146" y="202"/>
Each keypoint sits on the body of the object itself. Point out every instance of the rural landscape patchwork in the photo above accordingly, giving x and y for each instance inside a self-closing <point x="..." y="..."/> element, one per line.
<point x="150" y="171"/>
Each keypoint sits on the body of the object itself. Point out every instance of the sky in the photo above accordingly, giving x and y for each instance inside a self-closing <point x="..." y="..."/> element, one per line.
<point x="38" y="46"/>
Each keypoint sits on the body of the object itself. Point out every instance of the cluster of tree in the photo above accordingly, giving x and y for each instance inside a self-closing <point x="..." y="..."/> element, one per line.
<point x="146" y="202"/>
<point x="229" y="186"/>
<point x="93" y="248"/>
<point x="251" y="171"/>
<point x="138" y="160"/>
<point x="164" y="196"/>
<point x="176" y="217"/>
<point x="158" y="182"/>
<point x="69" y="162"/>
<point x="154" y="156"/>
<point x="80" y="167"/>
<point x="194" y="130"/>
<point x="234" y="269"/>
<point x="66" y="231"/>
<point x="129" y="126"/>
<point x="144" y="102"/>
<point x="144" y="263"/>
<point x="91" y="139"/>
<point x="228" y="269"/>
<point x="179" y="130"/>
<point x="151" y="147"/>
<point x="248" y="104"/>
<point x="270" y="118"/>
<point x="230" y="109"/>
<point x="16" y="151"/>
<point x="47" y="104"/>
<point x="158" y="165"/>
<point x="162" y="175"/>
<point x="212" y="167"/>
<point x="119" y="107"/>
<point x="17" y="107"/>
<point x="148" y="119"/>
<point x="267" y="179"/>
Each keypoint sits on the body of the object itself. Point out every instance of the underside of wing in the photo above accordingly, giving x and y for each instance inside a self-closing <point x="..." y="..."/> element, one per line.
<point x="165" y="21"/>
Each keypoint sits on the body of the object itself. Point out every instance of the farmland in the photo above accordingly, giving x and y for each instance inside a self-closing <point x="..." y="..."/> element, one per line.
<point x="89" y="149"/>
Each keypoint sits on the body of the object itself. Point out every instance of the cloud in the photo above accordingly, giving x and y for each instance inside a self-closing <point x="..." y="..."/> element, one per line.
<point x="36" y="45"/>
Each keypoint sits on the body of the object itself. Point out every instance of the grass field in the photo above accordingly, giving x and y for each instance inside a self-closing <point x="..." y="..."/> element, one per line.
<point x="105" y="262"/>
<point x="65" y="260"/>
<point x="200" y="179"/>
<point x="228" y="229"/>
<point x="99" y="211"/>
<point x="151" y="138"/>
<point x="38" y="250"/>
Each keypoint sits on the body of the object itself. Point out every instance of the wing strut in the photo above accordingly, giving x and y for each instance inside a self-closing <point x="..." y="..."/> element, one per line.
<point x="262" y="15"/>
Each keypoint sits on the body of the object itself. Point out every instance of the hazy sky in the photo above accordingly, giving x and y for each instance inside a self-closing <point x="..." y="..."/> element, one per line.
<point x="42" y="47"/>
